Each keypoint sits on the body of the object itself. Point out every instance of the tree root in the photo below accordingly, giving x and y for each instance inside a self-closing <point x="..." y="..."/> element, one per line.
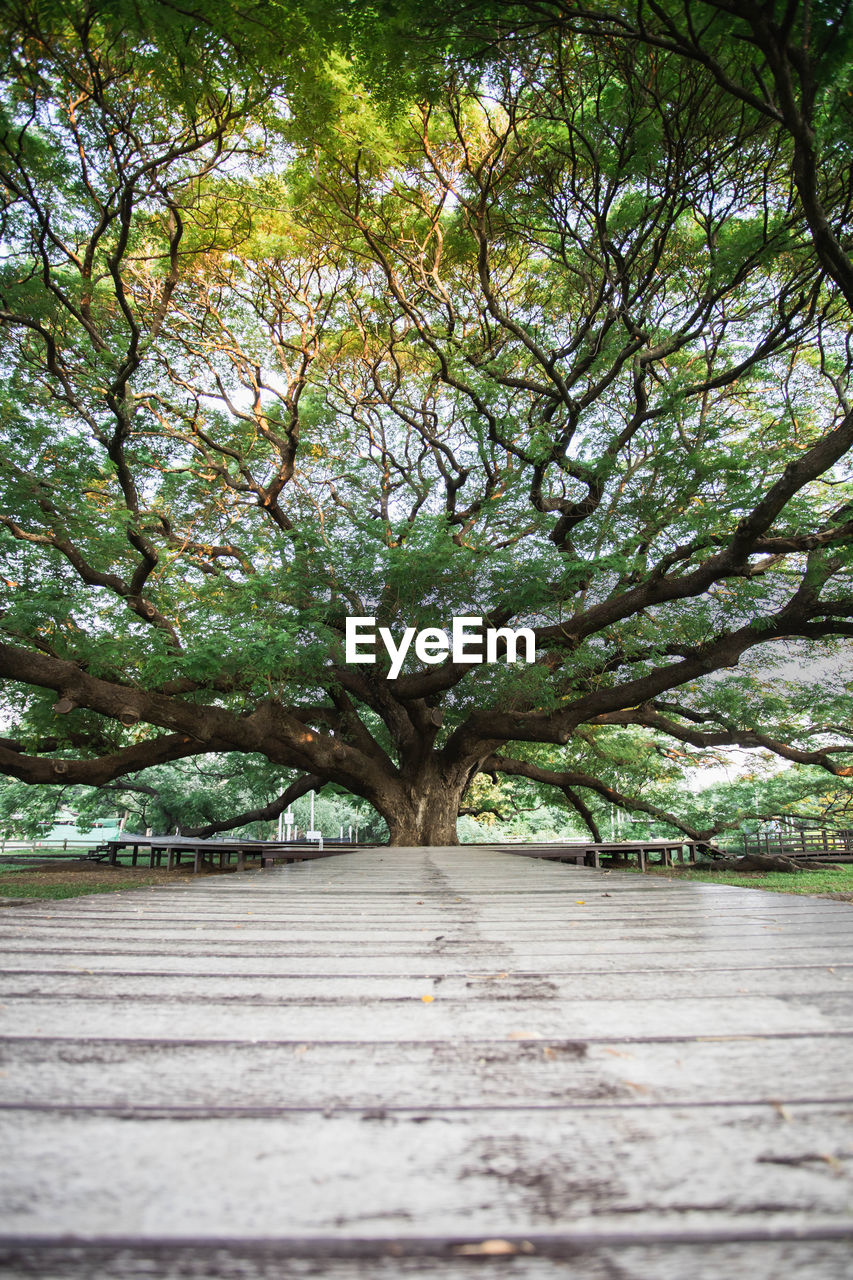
<point x="769" y="862"/>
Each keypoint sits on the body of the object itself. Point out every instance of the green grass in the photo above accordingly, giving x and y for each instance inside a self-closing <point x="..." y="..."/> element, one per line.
<point x="10" y="889"/>
<point x="821" y="880"/>
<point x="64" y="881"/>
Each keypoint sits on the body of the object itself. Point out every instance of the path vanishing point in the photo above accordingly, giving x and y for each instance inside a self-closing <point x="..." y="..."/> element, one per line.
<point x="443" y="1062"/>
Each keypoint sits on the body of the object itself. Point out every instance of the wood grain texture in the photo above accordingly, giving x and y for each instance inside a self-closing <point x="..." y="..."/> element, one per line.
<point x="372" y="1064"/>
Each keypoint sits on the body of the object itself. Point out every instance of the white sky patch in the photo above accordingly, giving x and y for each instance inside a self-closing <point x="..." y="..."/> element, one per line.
<point x="738" y="762"/>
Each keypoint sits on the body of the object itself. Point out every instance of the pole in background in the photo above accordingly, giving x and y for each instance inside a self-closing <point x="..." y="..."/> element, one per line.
<point x="314" y="834"/>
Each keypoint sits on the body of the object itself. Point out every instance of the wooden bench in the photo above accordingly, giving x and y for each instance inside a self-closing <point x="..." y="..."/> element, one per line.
<point x="590" y="853"/>
<point x="210" y="852"/>
<point x="297" y="852"/>
<point x="176" y="848"/>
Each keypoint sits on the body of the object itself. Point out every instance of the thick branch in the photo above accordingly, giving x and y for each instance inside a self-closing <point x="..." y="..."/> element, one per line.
<point x="270" y="730"/>
<point x="94" y="773"/>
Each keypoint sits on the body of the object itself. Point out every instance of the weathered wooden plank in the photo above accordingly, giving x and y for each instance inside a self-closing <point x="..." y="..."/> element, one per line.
<point x="413" y="1019"/>
<point x="567" y="937"/>
<point x="224" y="985"/>
<point x="572" y="931"/>
<point x="544" y="1257"/>
<point x="379" y="1173"/>
<point x="140" y="1075"/>
<point x="201" y="959"/>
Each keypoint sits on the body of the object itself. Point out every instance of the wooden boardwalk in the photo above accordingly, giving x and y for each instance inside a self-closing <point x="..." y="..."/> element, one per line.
<point x="435" y="1062"/>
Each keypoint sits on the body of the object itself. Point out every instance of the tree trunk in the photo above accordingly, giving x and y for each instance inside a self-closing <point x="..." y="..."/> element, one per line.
<point x="424" y="808"/>
<point x="430" y="820"/>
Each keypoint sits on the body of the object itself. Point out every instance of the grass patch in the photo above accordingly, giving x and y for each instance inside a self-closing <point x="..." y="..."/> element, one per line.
<point x="834" y="882"/>
<point x="73" y="880"/>
<point x="15" y="889"/>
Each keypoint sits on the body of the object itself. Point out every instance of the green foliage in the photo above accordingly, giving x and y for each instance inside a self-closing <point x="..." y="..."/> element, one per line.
<point x="28" y="811"/>
<point x="186" y="794"/>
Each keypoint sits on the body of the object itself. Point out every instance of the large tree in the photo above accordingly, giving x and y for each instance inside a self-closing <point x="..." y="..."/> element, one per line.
<point x="562" y="346"/>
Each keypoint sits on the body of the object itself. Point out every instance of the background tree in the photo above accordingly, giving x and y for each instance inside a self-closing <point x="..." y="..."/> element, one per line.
<point x="199" y="796"/>
<point x="552" y="348"/>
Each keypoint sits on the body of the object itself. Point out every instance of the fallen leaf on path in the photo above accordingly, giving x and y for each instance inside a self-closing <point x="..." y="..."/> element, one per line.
<point x="494" y="1248"/>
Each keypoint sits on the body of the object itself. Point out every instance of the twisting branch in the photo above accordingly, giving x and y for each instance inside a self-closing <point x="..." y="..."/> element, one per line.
<point x="651" y="718"/>
<point x="265" y="813"/>
<point x="569" y="778"/>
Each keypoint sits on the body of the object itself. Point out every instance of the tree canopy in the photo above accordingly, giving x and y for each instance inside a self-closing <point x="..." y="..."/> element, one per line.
<point x="539" y="317"/>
